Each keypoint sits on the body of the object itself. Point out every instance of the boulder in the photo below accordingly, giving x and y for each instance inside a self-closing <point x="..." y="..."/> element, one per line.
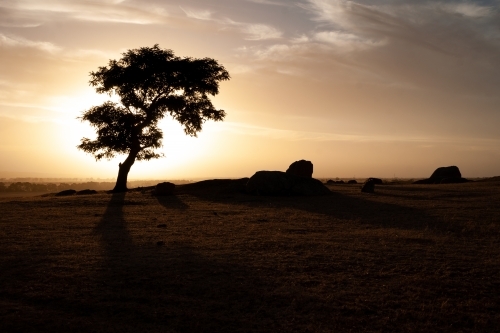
<point x="444" y="175"/>
<point x="340" y="182"/>
<point x="83" y="192"/>
<point x="330" y="182"/>
<point x="301" y="168"/>
<point x="453" y="180"/>
<point x="446" y="172"/>
<point x="164" y="188"/>
<point x="65" y="193"/>
<point x="423" y="181"/>
<point x="376" y="181"/>
<point x="352" y="181"/>
<point x="282" y="183"/>
<point x="368" y="186"/>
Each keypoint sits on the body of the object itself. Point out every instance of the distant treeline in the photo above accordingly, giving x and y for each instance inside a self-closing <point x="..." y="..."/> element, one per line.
<point x="57" y="187"/>
<point x="51" y="187"/>
<point x="54" y="180"/>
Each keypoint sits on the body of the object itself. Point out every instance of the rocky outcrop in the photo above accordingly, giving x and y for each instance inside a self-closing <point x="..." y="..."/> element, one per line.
<point x="301" y="168"/>
<point x="376" y="181"/>
<point x="444" y="175"/>
<point x="453" y="180"/>
<point x="86" y="192"/>
<point x="352" y="181"/>
<point x="65" y="193"/>
<point x="286" y="184"/>
<point x="164" y="188"/>
<point x="446" y="172"/>
<point x="211" y="187"/>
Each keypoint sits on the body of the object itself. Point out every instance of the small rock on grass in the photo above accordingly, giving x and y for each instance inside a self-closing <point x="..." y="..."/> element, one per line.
<point x="164" y="188"/>
<point x="368" y="186"/>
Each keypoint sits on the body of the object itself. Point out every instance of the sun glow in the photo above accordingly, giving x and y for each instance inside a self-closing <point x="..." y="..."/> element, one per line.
<point x="182" y="154"/>
<point x="72" y="105"/>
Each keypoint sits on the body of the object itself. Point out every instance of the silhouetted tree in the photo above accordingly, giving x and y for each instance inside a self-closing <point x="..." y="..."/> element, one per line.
<point x="151" y="82"/>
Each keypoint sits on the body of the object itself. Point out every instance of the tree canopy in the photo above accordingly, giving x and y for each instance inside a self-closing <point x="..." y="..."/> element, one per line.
<point x="150" y="82"/>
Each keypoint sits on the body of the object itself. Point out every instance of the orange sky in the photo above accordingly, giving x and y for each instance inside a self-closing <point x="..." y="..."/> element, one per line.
<point x="360" y="88"/>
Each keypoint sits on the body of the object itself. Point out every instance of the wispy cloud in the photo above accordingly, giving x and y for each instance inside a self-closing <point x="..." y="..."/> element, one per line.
<point x="472" y="10"/>
<point x="270" y="2"/>
<point x="117" y="11"/>
<point x="11" y="41"/>
<point x="16" y="43"/>
<point x="197" y="14"/>
<point x="400" y="44"/>
<point x="259" y="31"/>
<point x="252" y="31"/>
<point x="26" y="13"/>
<point x="32" y="72"/>
<point x="293" y="135"/>
<point x="345" y="42"/>
<point x="435" y="26"/>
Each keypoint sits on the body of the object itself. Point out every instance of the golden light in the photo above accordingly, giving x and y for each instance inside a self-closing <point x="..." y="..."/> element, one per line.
<point x="183" y="154"/>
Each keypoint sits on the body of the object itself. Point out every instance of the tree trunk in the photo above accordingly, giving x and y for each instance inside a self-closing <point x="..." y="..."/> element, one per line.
<point x="124" y="168"/>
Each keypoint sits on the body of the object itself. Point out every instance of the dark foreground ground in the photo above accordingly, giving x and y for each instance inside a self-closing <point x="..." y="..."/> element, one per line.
<point x="409" y="258"/>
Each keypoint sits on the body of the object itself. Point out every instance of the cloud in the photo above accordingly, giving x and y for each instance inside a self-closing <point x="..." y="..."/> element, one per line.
<point x="269" y="2"/>
<point x="253" y="31"/>
<point x="429" y="25"/>
<point x="33" y="13"/>
<point x="32" y="72"/>
<point x="26" y="13"/>
<point x="345" y="42"/>
<point x="13" y="18"/>
<point x="276" y="52"/>
<point x="197" y="14"/>
<point x="472" y="10"/>
<point x="318" y="136"/>
<point x="448" y="47"/>
<point x="260" y="31"/>
<point x="6" y="41"/>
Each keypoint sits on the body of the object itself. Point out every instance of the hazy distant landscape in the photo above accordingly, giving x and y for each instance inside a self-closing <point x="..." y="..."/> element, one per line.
<point x="35" y="186"/>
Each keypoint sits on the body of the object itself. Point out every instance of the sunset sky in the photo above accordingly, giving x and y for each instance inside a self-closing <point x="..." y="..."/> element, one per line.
<point x="360" y="88"/>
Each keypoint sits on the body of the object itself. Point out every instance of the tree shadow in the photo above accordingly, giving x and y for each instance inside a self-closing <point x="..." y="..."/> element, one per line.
<point x="171" y="202"/>
<point x="441" y="192"/>
<point x="336" y="205"/>
<point x="172" y="286"/>
<point x="114" y="236"/>
<point x="368" y="212"/>
<point x="136" y="286"/>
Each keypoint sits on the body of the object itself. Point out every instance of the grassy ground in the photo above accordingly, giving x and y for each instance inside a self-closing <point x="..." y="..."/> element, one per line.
<point x="412" y="258"/>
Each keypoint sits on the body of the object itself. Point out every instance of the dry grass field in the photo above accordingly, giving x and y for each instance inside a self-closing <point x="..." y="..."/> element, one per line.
<point x="409" y="258"/>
